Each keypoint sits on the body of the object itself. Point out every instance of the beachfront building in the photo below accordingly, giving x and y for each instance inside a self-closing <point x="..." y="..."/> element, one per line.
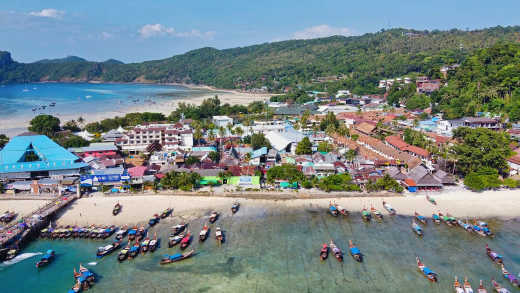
<point x="265" y="127"/>
<point x="31" y="156"/>
<point x="222" y="121"/>
<point x="170" y="137"/>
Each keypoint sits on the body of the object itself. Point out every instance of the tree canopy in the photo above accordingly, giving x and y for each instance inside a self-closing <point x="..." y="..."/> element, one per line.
<point x="45" y="124"/>
<point x="304" y="147"/>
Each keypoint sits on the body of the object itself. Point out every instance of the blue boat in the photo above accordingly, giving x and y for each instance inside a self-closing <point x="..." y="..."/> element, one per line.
<point x="355" y="252"/>
<point x="176" y="257"/>
<point x="46" y="259"/>
<point x="427" y="272"/>
<point x="417" y="229"/>
<point x="333" y="210"/>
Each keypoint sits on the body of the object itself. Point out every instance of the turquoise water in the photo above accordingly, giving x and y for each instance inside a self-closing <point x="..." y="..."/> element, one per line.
<point x="278" y="251"/>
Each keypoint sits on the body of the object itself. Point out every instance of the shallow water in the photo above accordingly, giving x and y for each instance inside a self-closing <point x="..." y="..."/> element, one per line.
<point x="278" y="251"/>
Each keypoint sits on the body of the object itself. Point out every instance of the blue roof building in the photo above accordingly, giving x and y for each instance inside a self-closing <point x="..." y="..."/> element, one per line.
<point x="30" y="156"/>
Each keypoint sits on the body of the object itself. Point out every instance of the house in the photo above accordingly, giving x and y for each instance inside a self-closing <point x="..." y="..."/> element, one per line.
<point x="476" y="122"/>
<point x="399" y="144"/>
<point x="113" y="134"/>
<point x="222" y="121"/>
<point x="426" y="86"/>
<point x="272" y="156"/>
<point x="365" y="127"/>
<point x="98" y="149"/>
<point x="286" y="141"/>
<point x="514" y="163"/>
<point x="443" y="177"/>
<point x="419" y="178"/>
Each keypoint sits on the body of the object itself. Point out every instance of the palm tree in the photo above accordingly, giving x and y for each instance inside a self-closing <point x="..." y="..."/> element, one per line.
<point x="239" y="131"/>
<point x="197" y="134"/>
<point x="221" y="132"/>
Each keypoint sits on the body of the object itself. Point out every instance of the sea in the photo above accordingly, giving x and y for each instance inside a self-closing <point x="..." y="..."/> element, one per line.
<point x="277" y="250"/>
<point x="24" y="101"/>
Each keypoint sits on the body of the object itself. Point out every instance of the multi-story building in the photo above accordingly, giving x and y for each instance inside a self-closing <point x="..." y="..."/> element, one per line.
<point x="169" y="136"/>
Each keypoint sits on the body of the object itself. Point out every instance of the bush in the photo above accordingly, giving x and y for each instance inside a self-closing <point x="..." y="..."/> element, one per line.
<point x="511" y="183"/>
<point x="337" y="182"/>
<point x="485" y="178"/>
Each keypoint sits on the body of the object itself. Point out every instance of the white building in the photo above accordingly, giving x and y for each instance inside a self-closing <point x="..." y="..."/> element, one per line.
<point x="170" y="136"/>
<point x="265" y="127"/>
<point x="222" y="121"/>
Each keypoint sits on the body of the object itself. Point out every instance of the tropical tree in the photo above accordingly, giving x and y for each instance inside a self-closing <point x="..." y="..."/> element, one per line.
<point x="304" y="147"/>
<point x="45" y="124"/>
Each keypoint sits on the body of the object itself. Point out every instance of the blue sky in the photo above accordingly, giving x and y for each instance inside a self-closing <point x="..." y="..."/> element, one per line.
<point x="134" y="30"/>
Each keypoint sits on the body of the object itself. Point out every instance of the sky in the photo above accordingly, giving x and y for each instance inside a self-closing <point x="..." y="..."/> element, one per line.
<point x="134" y="31"/>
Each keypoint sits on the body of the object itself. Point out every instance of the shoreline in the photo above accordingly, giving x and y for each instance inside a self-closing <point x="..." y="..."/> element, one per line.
<point x="503" y="205"/>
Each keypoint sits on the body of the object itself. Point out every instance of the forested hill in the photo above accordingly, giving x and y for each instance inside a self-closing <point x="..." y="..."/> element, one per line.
<point x="360" y="60"/>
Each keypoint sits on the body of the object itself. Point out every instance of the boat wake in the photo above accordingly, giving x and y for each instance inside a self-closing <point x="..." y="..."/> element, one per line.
<point x="19" y="258"/>
<point x="92" y="263"/>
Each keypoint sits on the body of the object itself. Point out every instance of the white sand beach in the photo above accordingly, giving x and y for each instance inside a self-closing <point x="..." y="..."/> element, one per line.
<point x="21" y="207"/>
<point x="139" y="208"/>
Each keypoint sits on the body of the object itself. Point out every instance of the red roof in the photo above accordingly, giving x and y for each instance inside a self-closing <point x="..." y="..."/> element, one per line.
<point x="137" y="171"/>
<point x="397" y="142"/>
<point x="409" y="182"/>
<point x="418" y="151"/>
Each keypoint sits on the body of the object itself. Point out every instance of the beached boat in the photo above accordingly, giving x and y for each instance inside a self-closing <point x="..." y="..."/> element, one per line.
<point x="498" y="288"/>
<point x="177" y="229"/>
<point x="467" y="286"/>
<point x="427" y="272"/>
<point x="436" y="218"/>
<point x="154" y="220"/>
<point x="235" y="207"/>
<point x="123" y="254"/>
<point x="7" y="217"/>
<point x="389" y="208"/>
<point x="431" y="199"/>
<point x="134" y="250"/>
<point x="203" y="235"/>
<point x="167" y="259"/>
<point x="117" y="209"/>
<point x="377" y="214"/>
<point x="336" y="251"/>
<point x="457" y="286"/>
<point x="482" y="229"/>
<point x="510" y="277"/>
<point x="494" y="256"/>
<point x="121" y="233"/>
<point x="333" y="210"/>
<point x="365" y="215"/>
<point x="464" y="226"/>
<point x="185" y="242"/>
<point x="417" y="229"/>
<point x="108" y="249"/>
<point x="47" y="258"/>
<point x="481" y="288"/>
<point x="355" y="252"/>
<point x="107" y="232"/>
<point x="132" y="233"/>
<point x="219" y="235"/>
<point x="420" y="218"/>
<point x="141" y="233"/>
<point x="324" y="252"/>
<point x="11" y="253"/>
<point x="213" y="217"/>
<point x="145" y="245"/>
<point x="153" y="243"/>
<point x="341" y="210"/>
<point x="174" y="239"/>
<point x="166" y="213"/>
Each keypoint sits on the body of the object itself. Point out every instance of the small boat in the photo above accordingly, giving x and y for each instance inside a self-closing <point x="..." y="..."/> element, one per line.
<point x="121" y="233"/>
<point x="167" y="259"/>
<point x="219" y="235"/>
<point x="177" y="229"/>
<point x="417" y="229"/>
<point x="464" y="226"/>
<point x="123" y="254"/>
<point x="341" y="210"/>
<point x="457" y="286"/>
<point x="108" y="249"/>
<point x="510" y="277"/>
<point x="324" y="252"/>
<point x="154" y="220"/>
<point x="235" y="207"/>
<point x="451" y="219"/>
<point x="436" y="218"/>
<point x="366" y="215"/>
<point x="145" y="245"/>
<point x="428" y="273"/>
<point x="153" y="243"/>
<point x="376" y="213"/>
<point x="355" y="252"/>
<point x="431" y="200"/>
<point x="134" y="250"/>
<point x="132" y="234"/>
<point x="333" y="210"/>
<point x="204" y="233"/>
<point x="117" y="209"/>
<point x="7" y="217"/>
<point x="175" y="239"/>
<point x="494" y="256"/>
<point x="166" y="213"/>
<point x="336" y="251"/>
<point x="141" y="233"/>
<point x="185" y="242"/>
<point x="482" y="229"/>
<point x="498" y="288"/>
<point x="52" y="104"/>
<point x="213" y="217"/>
<point x="481" y="288"/>
<point x="76" y="288"/>
<point x="389" y="208"/>
<point x="445" y="219"/>
<point x="47" y="258"/>
<point x="420" y="218"/>
<point x="467" y="286"/>
<point x="11" y="254"/>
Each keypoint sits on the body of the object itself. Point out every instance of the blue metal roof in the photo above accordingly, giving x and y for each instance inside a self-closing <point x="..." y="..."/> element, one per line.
<point x="52" y="156"/>
<point x="259" y="152"/>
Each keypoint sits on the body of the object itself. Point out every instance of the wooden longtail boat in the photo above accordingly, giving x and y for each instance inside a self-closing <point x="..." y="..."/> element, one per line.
<point x="355" y="252"/>
<point x="166" y="213"/>
<point x="123" y="254"/>
<point x="464" y="226"/>
<point x="481" y="288"/>
<point x="365" y="215"/>
<point x="417" y="229"/>
<point x="108" y="249"/>
<point x="498" y="288"/>
<point x="185" y="242"/>
<point x="154" y="220"/>
<point x="177" y="229"/>
<point x="389" y="208"/>
<point x="145" y="245"/>
<point x="427" y="272"/>
<point x="431" y="200"/>
<point x="420" y="218"/>
<point x="167" y="259"/>
<point x="203" y="235"/>
<point x="121" y="233"/>
<point x="457" y="286"/>
<point x="46" y="259"/>
<point x="467" y="286"/>
<point x="376" y="213"/>
<point x="213" y="217"/>
<point x="336" y="251"/>
<point x="174" y="240"/>
<point x="134" y="250"/>
<point x="219" y="235"/>
<point x="333" y="210"/>
<point x="132" y="234"/>
<point x="436" y="218"/>
<point x="117" y="209"/>
<point x="235" y="207"/>
<point x="153" y="243"/>
<point x="324" y="252"/>
<point x="341" y="210"/>
<point x="510" y="277"/>
<point x="494" y="256"/>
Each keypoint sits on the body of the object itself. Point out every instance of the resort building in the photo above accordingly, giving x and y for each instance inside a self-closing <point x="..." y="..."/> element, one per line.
<point x="222" y="121"/>
<point x="169" y="136"/>
<point x="476" y="122"/>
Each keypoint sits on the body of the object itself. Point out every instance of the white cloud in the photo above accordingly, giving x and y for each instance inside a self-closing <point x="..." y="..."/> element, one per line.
<point x="48" y="12"/>
<point x="153" y="30"/>
<point x="321" y="31"/>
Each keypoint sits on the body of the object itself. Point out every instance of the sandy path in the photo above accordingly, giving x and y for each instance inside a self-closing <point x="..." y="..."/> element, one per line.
<point x="21" y="207"/>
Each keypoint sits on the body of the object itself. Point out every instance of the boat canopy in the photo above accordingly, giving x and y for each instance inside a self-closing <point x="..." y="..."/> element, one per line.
<point x="355" y="250"/>
<point x="175" y="256"/>
<point x="332" y="208"/>
<point x="50" y="251"/>
<point x="132" y="232"/>
<point x="427" y="271"/>
<point x="46" y="257"/>
<point x="134" y="248"/>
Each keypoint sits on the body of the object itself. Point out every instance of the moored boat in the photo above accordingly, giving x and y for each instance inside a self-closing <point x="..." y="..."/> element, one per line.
<point x="167" y="259"/>
<point x="436" y="218"/>
<point x="498" y="288"/>
<point x="467" y="286"/>
<point x="494" y="256"/>
<point x="464" y="226"/>
<point x="481" y="288"/>
<point x="235" y="207"/>
<point x="427" y="272"/>
<point x="132" y="233"/>
<point x="204" y="233"/>
<point x="389" y="208"/>
<point x="153" y="243"/>
<point x="11" y="254"/>
<point x="213" y="217"/>
<point x="154" y="220"/>
<point x="141" y="233"/>
<point x="219" y="235"/>
<point x="134" y="250"/>
<point x="341" y="210"/>
<point x="7" y="217"/>
<point x="175" y="239"/>
<point x="420" y="218"/>
<point x="123" y="254"/>
<point x="117" y="209"/>
<point x="121" y="233"/>
<point x="47" y="258"/>
<point x="457" y="286"/>
<point x="365" y="215"/>
<point x="336" y="251"/>
<point x="324" y="252"/>
<point x="185" y="242"/>
<point x="166" y="213"/>
<point x="355" y="252"/>
<point x="177" y="229"/>
<point x="417" y="229"/>
<point x="145" y="244"/>
<point x="108" y="249"/>
<point x="333" y="210"/>
<point x="510" y="277"/>
<point x="377" y="214"/>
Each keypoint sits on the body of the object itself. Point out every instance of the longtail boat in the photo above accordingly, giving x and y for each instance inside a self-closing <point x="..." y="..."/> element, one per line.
<point x="494" y="256"/>
<point x="389" y="208"/>
<point x="324" y="252"/>
<point x="154" y="220"/>
<point x="436" y="218"/>
<point x="355" y="252"/>
<point x="121" y="233"/>
<point x="417" y="229"/>
<point x="482" y="229"/>
<point x="213" y="217"/>
<point x="235" y="207"/>
<point x="47" y="258"/>
<point x="481" y="288"/>
<point x="464" y="226"/>
<point x="177" y="229"/>
<point x="341" y="210"/>
<point x="219" y="235"/>
<point x="467" y="286"/>
<point x="117" y="209"/>
<point x="185" y="242"/>
<point x="376" y="213"/>
<point x="132" y="233"/>
<point x="445" y="219"/>
<point x="457" y="286"/>
<point x="174" y="240"/>
<point x="420" y="218"/>
<point x="166" y="213"/>
<point x="153" y="243"/>
<point x="167" y="259"/>
<point x="333" y="210"/>
<point x="7" y="217"/>
<point x="203" y="235"/>
<point x="76" y="288"/>
<point x="510" y="277"/>
<point x="427" y="272"/>
<point x="134" y="250"/>
<point x="431" y="200"/>
<point x="108" y="249"/>
<point x="11" y="253"/>
<point x="145" y="245"/>
<point x="336" y="251"/>
<point x="365" y="215"/>
<point x="498" y="288"/>
<point x="123" y="254"/>
<point x="141" y="233"/>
